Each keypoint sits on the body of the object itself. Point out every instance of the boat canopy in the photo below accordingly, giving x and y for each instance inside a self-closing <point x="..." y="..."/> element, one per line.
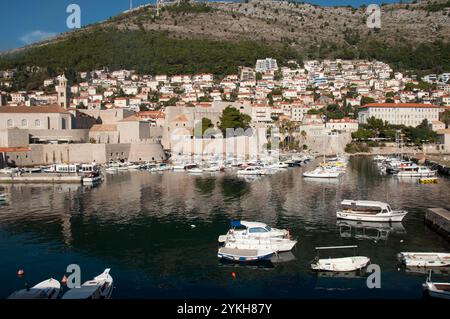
<point x="364" y="204"/>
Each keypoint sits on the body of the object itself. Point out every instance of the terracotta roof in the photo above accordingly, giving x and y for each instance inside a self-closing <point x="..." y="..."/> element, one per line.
<point x="103" y="128"/>
<point x="33" y="109"/>
<point x="400" y="105"/>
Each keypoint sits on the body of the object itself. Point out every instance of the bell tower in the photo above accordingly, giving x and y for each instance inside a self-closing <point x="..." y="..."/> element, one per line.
<point x="62" y="90"/>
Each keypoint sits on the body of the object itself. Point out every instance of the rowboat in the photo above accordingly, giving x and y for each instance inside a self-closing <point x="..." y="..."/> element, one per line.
<point x="47" y="289"/>
<point x="414" y="259"/>
<point x="363" y="210"/>
<point x="344" y="264"/>
<point x="245" y="255"/>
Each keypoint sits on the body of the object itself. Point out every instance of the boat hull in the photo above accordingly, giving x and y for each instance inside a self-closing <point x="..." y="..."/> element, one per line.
<point x="244" y="255"/>
<point x="394" y="217"/>
<point x="341" y="264"/>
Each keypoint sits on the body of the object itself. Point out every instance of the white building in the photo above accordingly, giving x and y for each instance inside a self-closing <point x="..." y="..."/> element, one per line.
<point x="343" y="125"/>
<point x="409" y="114"/>
<point x="266" y="65"/>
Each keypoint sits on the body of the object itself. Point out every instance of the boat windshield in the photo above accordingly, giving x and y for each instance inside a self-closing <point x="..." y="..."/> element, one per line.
<point x="268" y="228"/>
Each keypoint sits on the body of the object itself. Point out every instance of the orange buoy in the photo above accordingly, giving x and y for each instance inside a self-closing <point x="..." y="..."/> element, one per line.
<point x="64" y="280"/>
<point x="233" y="274"/>
<point x="20" y="272"/>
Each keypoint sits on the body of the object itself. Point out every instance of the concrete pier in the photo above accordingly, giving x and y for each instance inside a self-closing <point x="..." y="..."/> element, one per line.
<point x="41" y="179"/>
<point x="439" y="220"/>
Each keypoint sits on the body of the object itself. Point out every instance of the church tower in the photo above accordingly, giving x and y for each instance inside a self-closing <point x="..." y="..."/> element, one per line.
<point x="63" y="92"/>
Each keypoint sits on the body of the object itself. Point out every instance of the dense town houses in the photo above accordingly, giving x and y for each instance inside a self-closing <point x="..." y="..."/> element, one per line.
<point x="123" y="107"/>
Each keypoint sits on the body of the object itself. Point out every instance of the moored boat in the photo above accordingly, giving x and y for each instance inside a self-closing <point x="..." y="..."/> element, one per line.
<point x="47" y="289"/>
<point x="245" y="255"/>
<point x="439" y="290"/>
<point x="101" y="287"/>
<point x="419" y="259"/>
<point x="322" y="172"/>
<point x="364" y="210"/>
<point x="339" y="264"/>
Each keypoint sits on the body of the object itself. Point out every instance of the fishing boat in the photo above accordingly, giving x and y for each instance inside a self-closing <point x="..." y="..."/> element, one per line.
<point x="416" y="171"/>
<point x="339" y="264"/>
<point x="101" y="287"/>
<point x="414" y="259"/>
<point x="369" y="211"/>
<point x="245" y="230"/>
<point x="439" y="290"/>
<point x="322" y="172"/>
<point x="245" y="255"/>
<point x="47" y="289"/>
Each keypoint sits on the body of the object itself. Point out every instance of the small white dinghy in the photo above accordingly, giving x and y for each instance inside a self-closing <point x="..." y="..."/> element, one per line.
<point x="245" y="255"/>
<point x="339" y="264"/>
<point x="370" y="211"/>
<point x="414" y="259"/>
<point x="47" y="289"/>
<point x="439" y="290"/>
<point x="101" y="287"/>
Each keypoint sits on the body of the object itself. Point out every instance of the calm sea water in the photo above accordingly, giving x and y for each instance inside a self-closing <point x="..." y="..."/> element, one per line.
<point x="140" y="225"/>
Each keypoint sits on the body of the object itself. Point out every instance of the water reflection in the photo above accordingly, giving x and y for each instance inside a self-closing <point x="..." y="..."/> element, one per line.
<point x="368" y="230"/>
<point x="138" y="223"/>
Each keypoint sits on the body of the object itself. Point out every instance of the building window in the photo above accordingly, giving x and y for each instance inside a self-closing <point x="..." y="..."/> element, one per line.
<point x="24" y="123"/>
<point x="10" y="123"/>
<point x="37" y="123"/>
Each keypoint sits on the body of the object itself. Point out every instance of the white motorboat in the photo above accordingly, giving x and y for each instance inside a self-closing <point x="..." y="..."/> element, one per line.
<point x="47" y="289"/>
<point x="363" y="210"/>
<point x="274" y="244"/>
<point x="321" y="172"/>
<point x="101" y="287"/>
<point x="418" y="259"/>
<point x="339" y="264"/>
<point x="195" y="171"/>
<point x="250" y="170"/>
<point x="253" y="230"/>
<point x="9" y="170"/>
<point x="416" y="171"/>
<point x="439" y="290"/>
<point x="245" y="255"/>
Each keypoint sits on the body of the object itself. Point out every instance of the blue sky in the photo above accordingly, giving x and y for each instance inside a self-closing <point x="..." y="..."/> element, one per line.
<point x="26" y="21"/>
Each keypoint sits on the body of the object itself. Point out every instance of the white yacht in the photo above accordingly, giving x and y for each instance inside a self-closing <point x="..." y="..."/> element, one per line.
<point x="364" y="210"/>
<point x="415" y="171"/>
<point x="256" y="230"/>
<point x="47" y="289"/>
<point x="322" y="172"/>
<point x="101" y="287"/>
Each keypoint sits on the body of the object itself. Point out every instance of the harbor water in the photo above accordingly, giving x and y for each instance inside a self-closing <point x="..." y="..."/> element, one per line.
<point x="158" y="233"/>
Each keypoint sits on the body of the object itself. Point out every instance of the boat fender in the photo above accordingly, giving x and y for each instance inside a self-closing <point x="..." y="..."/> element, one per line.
<point x="20" y="272"/>
<point x="64" y="280"/>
